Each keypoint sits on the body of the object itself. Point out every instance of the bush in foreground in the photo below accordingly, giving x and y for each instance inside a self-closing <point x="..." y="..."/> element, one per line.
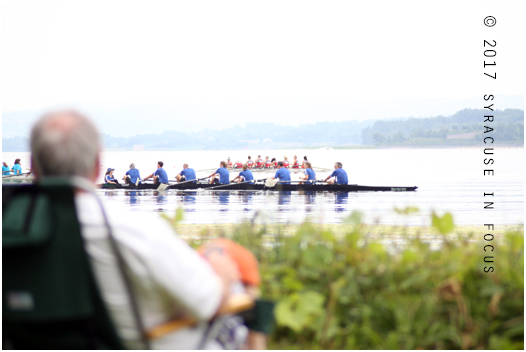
<point x="341" y="291"/>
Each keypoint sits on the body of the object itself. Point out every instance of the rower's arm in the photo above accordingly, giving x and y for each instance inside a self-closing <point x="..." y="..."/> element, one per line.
<point x="147" y="177"/>
<point x="213" y="174"/>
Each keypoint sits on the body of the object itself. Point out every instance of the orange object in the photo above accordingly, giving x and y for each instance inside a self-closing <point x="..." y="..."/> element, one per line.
<point x="245" y="260"/>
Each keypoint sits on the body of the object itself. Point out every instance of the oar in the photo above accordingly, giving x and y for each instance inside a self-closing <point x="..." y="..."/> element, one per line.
<point x="7" y="176"/>
<point x="229" y="184"/>
<point x="300" y="181"/>
<point x="197" y="179"/>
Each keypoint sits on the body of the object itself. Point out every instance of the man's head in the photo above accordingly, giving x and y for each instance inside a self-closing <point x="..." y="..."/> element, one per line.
<point x="280" y="163"/>
<point x="17" y="161"/>
<point x="65" y="143"/>
<point x="5" y="164"/>
<point x="249" y="157"/>
<point x="308" y="165"/>
<point x="160" y="164"/>
<point x="259" y="156"/>
<point x="245" y="167"/>
<point x="185" y="166"/>
<point x="222" y="164"/>
<point x="337" y="165"/>
<point x="132" y="166"/>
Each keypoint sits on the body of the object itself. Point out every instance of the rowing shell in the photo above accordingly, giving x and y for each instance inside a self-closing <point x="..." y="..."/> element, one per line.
<point x="261" y="187"/>
<point x="264" y="169"/>
<point x="18" y="178"/>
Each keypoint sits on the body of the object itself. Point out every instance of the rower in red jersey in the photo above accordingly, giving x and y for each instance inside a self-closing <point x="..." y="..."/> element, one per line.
<point x="238" y="165"/>
<point x="286" y="163"/>
<point x="295" y="163"/>
<point x="274" y="163"/>
<point x="250" y="162"/>
<point x="228" y="163"/>
<point x="268" y="164"/>
<point x="259" y="161"/>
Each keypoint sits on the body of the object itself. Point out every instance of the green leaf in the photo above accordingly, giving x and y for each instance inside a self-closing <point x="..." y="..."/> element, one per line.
<point x="443" y="224"/>
<point x="354" y="219"/>
<point x="179" y="215"/>
<point x="406" y="211"/>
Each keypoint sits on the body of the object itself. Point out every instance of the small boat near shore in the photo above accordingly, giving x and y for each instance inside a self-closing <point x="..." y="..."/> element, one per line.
<point x="260" y="186"/>
<point x="18" y="178"/>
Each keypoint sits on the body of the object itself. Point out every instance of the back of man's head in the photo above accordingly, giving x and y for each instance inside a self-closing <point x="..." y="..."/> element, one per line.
<point x="65" y="143"/>
<point x="280" y="163"/>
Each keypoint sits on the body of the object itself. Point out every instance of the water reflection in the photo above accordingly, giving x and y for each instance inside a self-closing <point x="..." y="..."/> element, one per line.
<point x="246" y="199"/>
<point x="189" y="201"/>
<point x="224" y="200"/>
<point x="284" y="199"/>
<point x="341" y="201"/>
<point x="161" y="199"/>
<point x="134" y="200"/>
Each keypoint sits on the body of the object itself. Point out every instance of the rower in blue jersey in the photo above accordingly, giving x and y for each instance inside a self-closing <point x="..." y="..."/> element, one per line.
<point x="187" y="174"/>
<point x="5" y="169"/>
<point x="283" y="174"/>
<point x="109" y="177"/>
<point x="224" y="175"/>
<point x="245" y="175"/>
<point x="340" y="176"/>
<point x="160" y="175"/>
<point x="132" y="176"/>
<point x="17" y="168"/>
<point x="309" y="173"/>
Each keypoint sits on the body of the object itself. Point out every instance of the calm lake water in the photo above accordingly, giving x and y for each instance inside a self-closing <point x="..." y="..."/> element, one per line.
<point x="448" y="180"/>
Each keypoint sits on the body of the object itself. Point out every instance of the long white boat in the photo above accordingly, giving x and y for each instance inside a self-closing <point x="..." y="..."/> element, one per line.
<point x="18" y="178"/>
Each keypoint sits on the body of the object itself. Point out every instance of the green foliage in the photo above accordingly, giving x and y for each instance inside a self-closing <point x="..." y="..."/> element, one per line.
<point x="443" y="224"/>
<point x="343" y="291"/>
<point x="407" y="210"/>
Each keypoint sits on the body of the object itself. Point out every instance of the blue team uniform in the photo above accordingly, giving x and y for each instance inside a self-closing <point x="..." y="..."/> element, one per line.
<point x="341" y="177"/>
<point x="17" y="169"/>
<point x="189" y="174"/>
<point x="134" y="175"/>
<point x="247" y="175"/>
<point x="224" y="175"/>
<point x="283" y="174"/>
<point x="163" y="176"/>
<point x="5" y="170"/>
<point x="109" y="178"/>
<point x="309" y="172"/>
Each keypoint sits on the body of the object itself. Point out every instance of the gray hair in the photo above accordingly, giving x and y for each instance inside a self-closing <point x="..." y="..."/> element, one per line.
<point x="338" y="164"/>
<point x="132" y="166"/>
<point x="64" y="143"/>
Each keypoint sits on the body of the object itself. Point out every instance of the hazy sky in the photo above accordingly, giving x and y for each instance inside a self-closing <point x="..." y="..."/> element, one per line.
<point x="192" y="52"/>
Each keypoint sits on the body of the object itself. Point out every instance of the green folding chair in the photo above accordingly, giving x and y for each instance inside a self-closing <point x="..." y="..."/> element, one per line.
<point x="50" y="298"/>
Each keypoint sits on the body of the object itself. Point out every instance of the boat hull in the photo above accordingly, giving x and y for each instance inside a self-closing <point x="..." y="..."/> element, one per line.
<point x="262" y="187"/>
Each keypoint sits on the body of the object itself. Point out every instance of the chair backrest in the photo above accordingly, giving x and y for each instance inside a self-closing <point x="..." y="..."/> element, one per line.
<point x="50" y="298"/>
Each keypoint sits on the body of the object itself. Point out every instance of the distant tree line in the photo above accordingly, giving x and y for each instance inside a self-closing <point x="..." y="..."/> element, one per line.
<point x="260" y="135"/>
<point x="509" y="128"/>
<point x="508" y="125"/>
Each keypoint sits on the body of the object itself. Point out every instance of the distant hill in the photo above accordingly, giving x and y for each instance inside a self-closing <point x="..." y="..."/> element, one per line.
<point x="464" y="128"/>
